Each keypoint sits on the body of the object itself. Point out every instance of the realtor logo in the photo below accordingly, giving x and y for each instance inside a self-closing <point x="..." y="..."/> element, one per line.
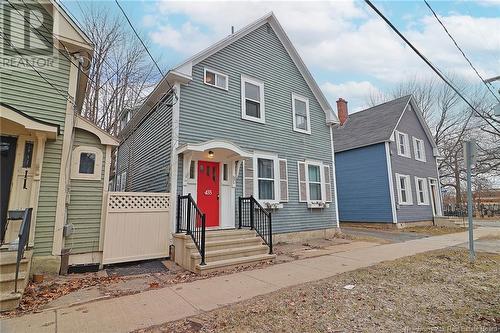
<point x="27" y="31"/>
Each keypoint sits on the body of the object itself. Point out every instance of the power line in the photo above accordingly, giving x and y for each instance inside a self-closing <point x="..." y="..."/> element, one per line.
<point x="429" y="63"/>
<point x="145" y="47"/>
<point x="66" y="97"/>
<point x="461" y="51"/>
<point x="140" y="39"/>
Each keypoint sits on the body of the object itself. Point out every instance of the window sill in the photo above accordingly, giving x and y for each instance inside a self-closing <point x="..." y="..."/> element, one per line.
<point x="318" y="204"/>
<point x="405" y="203"/>
<point x="405" y="156"/>
<point x="423" y="204"/>
<point x="302" y="131"/>
<point x="255" y="120"/>
<point x="420" y="160"/>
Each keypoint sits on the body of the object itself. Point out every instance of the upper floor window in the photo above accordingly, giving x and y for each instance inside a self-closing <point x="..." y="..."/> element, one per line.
<point x="86" y="163"/>
<point x="300" y="108"/>
<point x="403" y="144"/>
<point x="252" y="99"/>
<point x="419" y="149"/>
<point x="216" y="79"/>
<point x="404" y="189"/>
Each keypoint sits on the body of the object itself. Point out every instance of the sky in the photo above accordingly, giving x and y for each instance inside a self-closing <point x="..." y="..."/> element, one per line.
<point x="350" y="51"/>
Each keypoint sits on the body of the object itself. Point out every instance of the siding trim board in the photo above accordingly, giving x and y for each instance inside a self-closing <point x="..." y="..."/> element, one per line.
<point x="391" y="183"/>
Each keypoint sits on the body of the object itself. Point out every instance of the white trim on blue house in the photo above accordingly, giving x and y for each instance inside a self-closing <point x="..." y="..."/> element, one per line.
<point x="391" y="182"/>
<point x="334" y="179"/>
<point x="174" y="157"/>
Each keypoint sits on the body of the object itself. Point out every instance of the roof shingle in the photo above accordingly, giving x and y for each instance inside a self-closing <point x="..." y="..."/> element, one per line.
<point x="370" y="126"/>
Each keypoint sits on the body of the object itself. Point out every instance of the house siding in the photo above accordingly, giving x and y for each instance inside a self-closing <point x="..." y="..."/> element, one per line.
<point x="410" y="125"/>
<point x="23" y="89"/>
<point x="363" y="185"/>
<point x="84" y="210"/>
<point x="145" y="154"/>
<point x="209" y="113"/>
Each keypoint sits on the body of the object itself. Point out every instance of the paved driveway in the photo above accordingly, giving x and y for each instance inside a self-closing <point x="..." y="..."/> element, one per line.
<point x="392" y="236"/>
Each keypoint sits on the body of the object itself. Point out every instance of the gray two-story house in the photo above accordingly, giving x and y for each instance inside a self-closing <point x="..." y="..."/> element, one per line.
<point x="386" y="165"/>
<point x="242" y="118"/>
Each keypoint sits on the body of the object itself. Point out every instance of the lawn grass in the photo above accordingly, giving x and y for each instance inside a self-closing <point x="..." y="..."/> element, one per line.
<point x="435" y="291"/>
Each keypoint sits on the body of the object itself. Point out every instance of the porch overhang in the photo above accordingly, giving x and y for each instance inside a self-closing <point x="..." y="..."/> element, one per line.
<point x="27" y="122"/>
<point x="214" y="146"/>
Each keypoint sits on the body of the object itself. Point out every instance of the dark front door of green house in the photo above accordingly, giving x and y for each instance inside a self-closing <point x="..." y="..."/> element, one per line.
<point x="8" y="155"/>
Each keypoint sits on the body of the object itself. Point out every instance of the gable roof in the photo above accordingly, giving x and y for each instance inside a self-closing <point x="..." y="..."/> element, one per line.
<point x="183" y="72"/>
<point x="370" y="126"/>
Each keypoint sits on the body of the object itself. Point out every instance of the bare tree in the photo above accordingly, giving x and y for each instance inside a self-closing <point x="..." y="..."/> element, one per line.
<point x="121" y="73"/>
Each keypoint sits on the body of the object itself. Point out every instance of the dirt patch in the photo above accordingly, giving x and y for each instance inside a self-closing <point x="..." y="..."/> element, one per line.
<point x="490" y="237"/>
<point x="433" y="230"/>
<point x="435" y="291"/>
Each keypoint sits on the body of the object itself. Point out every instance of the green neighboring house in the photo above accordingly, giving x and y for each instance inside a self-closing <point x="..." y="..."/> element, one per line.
<point x="52" y="160"/>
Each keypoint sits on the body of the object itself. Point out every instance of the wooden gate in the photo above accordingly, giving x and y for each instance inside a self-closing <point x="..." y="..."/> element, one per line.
<point x="137" y="226"/>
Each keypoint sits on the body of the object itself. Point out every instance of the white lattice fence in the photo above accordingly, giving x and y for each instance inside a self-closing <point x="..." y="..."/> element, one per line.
<point x="137" y="226"/>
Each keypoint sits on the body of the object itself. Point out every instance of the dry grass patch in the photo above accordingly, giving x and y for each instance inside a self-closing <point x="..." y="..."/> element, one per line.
<point x="436" y="291"/>
<point x="433" y="230"/>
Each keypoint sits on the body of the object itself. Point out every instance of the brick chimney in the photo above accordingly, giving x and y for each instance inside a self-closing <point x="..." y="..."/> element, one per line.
<point x="342" y="111"/>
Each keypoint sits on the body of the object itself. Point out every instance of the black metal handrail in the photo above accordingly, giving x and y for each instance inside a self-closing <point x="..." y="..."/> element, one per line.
<point x="252" y="215"/>
<point x="24" y="235"/>
<point x="192" y="221"/>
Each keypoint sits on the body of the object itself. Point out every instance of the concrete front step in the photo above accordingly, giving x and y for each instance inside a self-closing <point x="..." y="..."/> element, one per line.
<point x="7" y="282"/>
<point x="9" y="301"/>
<point x="10" y="267"/>
<point x="220" y="244"/>
<point x="228" y="234"/>
<point x="217" y="255"/>
<point x="234" y="262"/>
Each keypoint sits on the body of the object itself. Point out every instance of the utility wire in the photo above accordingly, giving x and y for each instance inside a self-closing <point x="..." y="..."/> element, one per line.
<point x="429" y="64"/>
<point x="66" y="97"/>
<point x="461" y="51"/>
<point x="145" y="47"/>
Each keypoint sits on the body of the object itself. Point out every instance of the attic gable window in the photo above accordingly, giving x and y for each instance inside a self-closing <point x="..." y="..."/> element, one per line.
<point x="403" y="144"/>
<point x="252" y="99"/>
<point x="301" y="119"/>
<point x="419" y="149"/>
<point x="216" y="79"/>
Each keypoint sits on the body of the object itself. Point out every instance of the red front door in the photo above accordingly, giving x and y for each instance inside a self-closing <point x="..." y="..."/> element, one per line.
<point x="208" y="191"/>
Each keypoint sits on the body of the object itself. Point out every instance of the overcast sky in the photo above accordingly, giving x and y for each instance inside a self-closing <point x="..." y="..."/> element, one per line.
<point x="350" y="51"/>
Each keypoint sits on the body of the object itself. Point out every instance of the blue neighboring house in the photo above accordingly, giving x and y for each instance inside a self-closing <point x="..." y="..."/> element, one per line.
<point x="386" y="165"/>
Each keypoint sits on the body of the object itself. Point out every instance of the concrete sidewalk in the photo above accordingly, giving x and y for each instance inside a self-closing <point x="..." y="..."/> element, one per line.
<point x="127" y="313"/>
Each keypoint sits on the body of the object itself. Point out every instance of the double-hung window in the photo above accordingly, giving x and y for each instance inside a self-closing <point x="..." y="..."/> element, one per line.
<point x="315" y="186"/>
<point x="419" y="149"/>
<point x="314" y="177"/>
<point x="300" y="109"/>
<point x="403" y="144"/>
<point x="421" y="189"/>
<point x="252" y="99"/>
<point x="216" y="79"/>
<point x="265" y="179"/>
<point x="404" y="189"/>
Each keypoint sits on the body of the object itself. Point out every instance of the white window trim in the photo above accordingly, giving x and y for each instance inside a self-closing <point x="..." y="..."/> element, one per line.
<point x="409" y="196"/>
<point x="277" y="195"/>
<point x="217" y="73"/>
<point x="305" y="100"/>
<point x="262" y="119"/>
<point x="75" y="163"/>
<point x="415" y="149"/>
<point x="230" y="165"/>
<point x="406" y="144"/>
<point x="316" y="203"/>
<point x="425" y="190"/>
